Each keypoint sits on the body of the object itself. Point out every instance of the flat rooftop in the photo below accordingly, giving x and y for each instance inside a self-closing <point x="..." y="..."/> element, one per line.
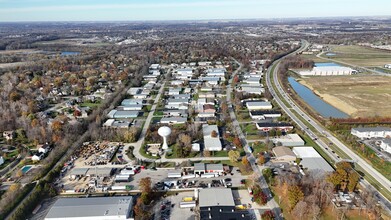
<point x="216" y="197"/>
<point x="92" y="208"/>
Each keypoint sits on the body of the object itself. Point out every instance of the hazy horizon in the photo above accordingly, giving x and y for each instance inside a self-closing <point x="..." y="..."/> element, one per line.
<point x="177" y="10"/>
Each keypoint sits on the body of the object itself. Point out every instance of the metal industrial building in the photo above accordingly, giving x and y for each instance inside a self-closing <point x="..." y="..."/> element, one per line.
<point x="328" y="71"/>
<point x="219" y="204"/>
<point x="291" y="140"/>
<point x="311" y="159"/>
<point x="95" y="208"/>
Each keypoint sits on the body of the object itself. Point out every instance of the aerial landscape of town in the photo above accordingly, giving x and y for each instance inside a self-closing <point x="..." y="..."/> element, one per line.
<point x="226" y="119"/>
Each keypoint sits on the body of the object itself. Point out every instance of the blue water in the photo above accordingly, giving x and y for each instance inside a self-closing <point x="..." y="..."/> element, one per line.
<point x="326" y="64"/>
<point x="69" y="53"/>
<point x="323" y="108"/>
<point x="26" y="168"/>
<point x="330" y="54"/>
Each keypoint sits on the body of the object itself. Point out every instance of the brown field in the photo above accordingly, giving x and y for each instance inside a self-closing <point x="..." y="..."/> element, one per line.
<point x="358" y="96"/>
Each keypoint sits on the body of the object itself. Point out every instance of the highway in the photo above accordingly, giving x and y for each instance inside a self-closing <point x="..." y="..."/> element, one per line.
<point x="385" y="183"/>
<point x="273" y="205"/>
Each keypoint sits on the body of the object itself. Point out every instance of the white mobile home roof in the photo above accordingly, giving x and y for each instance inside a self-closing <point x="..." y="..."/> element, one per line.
<point x="96" y="208"/>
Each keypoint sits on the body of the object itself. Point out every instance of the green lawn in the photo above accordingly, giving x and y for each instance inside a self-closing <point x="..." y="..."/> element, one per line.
<point x="143" y="153"/>
<point x="222" y="153"/>
<point x="258" y="148"/>
<point x="249" y="128"/>
<point x="90" y="104"/>
<point x="174" y="153"/>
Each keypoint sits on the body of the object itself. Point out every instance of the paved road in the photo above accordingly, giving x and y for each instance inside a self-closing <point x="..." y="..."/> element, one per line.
<point x="265" y="187"/>
<point x="137" y="145"/>
<point x="318" y="128"/>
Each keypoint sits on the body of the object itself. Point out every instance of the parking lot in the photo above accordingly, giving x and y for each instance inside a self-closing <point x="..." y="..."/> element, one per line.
<point x="168" y="208"/>
<point x="374" y="144"/>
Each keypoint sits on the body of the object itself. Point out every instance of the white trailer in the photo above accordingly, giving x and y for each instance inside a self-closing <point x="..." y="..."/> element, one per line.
<point x="127" y="172"/>
<point x="190" y="204"/>
<point x="208" y="175"/>
<point x="188" y="176"/>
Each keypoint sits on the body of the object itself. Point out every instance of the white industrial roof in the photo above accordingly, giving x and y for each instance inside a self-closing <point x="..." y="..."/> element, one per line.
<point x="306" y="152"/>
<point x="258" y="104"/>
<point x="91" y="208"/>
<point x="216" y="197"/>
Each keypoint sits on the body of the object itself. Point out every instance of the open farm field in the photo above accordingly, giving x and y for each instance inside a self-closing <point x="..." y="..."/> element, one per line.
<point x="360" y="55"/>
<point x="361" y="95"/>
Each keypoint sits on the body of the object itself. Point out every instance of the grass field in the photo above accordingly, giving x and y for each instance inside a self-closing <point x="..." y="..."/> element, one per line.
<point x="364" y="95"/>
<point x="360" y="55"/>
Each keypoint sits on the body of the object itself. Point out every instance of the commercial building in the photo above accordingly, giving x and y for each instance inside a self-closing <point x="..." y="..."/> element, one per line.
<point x="312" y="160"/>
<point x="284" y="154"/>
<point x="116" y="124"/>
<point x="202" y="168"/>
<point x="328" y="71"/>
<point x="282" y="126"/>
<point x="290" y="140"/>
<point x="385" y="145"/>
<point x="371" y="132"/>
<point x="211" y="138"/>
<point x="263" y="114"/>
<point x="95" y="208"/>
<point x="219" y="204"/>
<point x="258" y="105"/>
<point x="123" y="114"/>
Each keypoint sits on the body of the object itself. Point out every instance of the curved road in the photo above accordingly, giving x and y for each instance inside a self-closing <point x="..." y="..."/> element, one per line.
<point x="318" y="128"/>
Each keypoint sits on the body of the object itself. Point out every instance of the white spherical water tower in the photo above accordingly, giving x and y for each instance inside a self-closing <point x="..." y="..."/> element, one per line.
<point x="164" y="132"/>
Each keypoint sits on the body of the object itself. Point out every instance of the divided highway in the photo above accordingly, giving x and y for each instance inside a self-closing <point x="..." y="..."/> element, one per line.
<point x="302" y="117"/>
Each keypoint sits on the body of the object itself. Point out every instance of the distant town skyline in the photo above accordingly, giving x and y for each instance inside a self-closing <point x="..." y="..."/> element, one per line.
<point x="152" y="10"/>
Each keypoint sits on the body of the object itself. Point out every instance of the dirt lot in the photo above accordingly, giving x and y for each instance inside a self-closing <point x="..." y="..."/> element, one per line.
<point x="359" y="96"/>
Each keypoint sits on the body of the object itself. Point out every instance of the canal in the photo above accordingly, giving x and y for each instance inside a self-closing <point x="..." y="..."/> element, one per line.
<point x="323" y="108"/>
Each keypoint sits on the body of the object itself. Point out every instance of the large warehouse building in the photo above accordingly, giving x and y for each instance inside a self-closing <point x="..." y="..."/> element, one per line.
<point x="328" y="71"/>
<point x="97" y="208"/>
<point x="312" y="160"/>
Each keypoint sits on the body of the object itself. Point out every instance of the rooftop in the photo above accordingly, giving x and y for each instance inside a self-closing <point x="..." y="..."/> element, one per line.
<point x="283" y="151"/>
<point x="306" y="152"/>
<point x="316" y="164"/>
<point x="216" y="197"/>
<point x="96" y="208"/>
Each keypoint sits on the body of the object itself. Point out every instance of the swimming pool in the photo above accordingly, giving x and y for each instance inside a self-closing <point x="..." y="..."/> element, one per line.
<point x="26" y="168"/>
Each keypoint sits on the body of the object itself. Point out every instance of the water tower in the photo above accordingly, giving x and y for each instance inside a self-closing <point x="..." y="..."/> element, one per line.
<point x="164" y="132"/>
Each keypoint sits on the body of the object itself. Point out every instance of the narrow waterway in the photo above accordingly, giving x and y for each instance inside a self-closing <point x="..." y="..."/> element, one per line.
<point x="323" y="108"/>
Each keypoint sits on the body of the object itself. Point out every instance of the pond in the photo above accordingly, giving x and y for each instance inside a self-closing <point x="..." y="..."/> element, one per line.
<point x="326" y="64"/>
<point x="69" y="53"/>
<point x="323" y="108"/>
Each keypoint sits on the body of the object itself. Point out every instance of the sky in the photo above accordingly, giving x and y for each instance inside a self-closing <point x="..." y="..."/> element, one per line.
<point x="145" y="10"/>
